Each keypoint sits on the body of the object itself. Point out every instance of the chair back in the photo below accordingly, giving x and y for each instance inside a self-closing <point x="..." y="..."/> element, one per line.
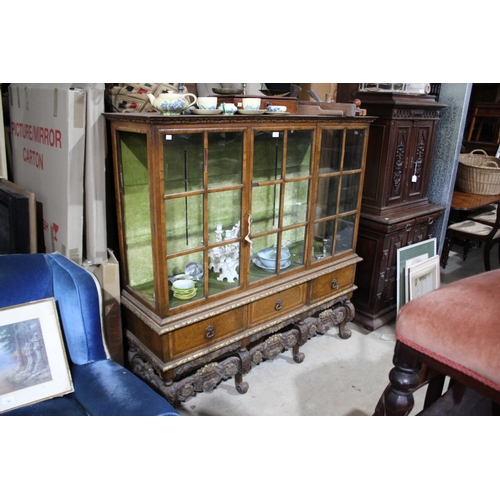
<point x="29" y="277"/>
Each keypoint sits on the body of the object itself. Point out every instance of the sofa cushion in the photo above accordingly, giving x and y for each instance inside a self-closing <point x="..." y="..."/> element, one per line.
<point x="64" y="406"/>
<point x="458" y="325"/>
<point x="106" y="388"/>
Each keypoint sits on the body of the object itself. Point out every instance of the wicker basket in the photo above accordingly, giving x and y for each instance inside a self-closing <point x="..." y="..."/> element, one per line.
<point x="478" y="173"/>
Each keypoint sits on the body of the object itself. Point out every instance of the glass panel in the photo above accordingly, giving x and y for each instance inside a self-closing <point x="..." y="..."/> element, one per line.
<point x="224" y="265"/>
<point x="294" y="240"/>
<point x="183" y="161"/>
<point x="263" y="261"/>
<point x="225" y="159"/>
<point x="349" y="193"/>
<point x="345" y="234"/>
<point x="331" y="151"/>
<point x="265" y="208"/>
<point x="355" y="140"/>
<point x="298" y="158"/>
<point x="323" y="237"/>
<point x="190" y="264"/>
<point x="268" y="156"/>
<point x="136" y="210"/>
<point x="296" y="196"/>
<point x="326" y="204"/>
<point x="184" y="217"/>
<point x="224" y="213"/>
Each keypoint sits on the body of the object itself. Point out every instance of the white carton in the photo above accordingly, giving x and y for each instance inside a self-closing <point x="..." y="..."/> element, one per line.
<point x="108" y="274"/>
<point x="57" y="135"/>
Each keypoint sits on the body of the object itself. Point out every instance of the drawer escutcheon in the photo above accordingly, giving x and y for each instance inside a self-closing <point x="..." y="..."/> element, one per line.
<point x="210" y="332"/>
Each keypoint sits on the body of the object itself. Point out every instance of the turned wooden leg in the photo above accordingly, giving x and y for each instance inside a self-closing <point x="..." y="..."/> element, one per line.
<point x="446" y="252"/>
<point x="397" y="399"/>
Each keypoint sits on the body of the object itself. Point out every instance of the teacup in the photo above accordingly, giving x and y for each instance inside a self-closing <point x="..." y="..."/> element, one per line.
<point x="276" y="109"/>
<point x="228" y="108"/>
<point x="207" y="102"/>
<point x="251" y="103"/>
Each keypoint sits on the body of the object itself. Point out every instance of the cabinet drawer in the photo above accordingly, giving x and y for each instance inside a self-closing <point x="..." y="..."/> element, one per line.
<point x="277" y="304"/>
<point x="332" y="283"/>
<point x="207" y="332"/>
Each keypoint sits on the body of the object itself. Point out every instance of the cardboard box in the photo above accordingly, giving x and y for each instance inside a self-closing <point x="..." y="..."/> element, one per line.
<point x="108" y="274"/>
<point x="58" y="135"/>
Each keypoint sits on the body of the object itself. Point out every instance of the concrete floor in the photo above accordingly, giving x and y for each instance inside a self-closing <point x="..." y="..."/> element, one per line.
<point x="337" y="377"/>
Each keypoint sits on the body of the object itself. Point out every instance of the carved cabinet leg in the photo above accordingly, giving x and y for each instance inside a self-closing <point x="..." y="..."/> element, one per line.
<point x="339" y="316"/>
<point x="245" y="367"/>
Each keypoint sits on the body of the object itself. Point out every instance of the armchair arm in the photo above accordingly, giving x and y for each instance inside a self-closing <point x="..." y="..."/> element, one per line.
<point x="105" y="388"/>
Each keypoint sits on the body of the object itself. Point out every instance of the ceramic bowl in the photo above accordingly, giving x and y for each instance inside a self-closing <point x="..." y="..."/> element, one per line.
<point x="267" y="257"/>
<point x="183" y="285"/>
<point x="276" y="109"/>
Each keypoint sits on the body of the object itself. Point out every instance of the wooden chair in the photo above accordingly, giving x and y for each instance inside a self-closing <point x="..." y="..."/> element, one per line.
<point x="487" y="216"/>
<point x="483" y="228"/>
<point x="450" y="332"/>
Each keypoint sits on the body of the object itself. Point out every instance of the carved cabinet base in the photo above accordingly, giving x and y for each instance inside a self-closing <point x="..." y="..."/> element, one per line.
<point x="205" y="373"/>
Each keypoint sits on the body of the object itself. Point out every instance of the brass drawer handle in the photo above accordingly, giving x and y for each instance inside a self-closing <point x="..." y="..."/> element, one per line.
<point x="279" y="305"/>
<point x="210" y="332"/>
<point x="408" y="227"/>
<point x="430" y="221"/>
<point x="335" y="284"/>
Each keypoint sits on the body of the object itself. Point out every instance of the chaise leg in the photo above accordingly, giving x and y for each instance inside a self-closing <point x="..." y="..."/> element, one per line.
<point x="397" y="399"/>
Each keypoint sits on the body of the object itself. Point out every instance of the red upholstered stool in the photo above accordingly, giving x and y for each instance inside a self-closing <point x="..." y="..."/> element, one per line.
<point x="453" y="331"/>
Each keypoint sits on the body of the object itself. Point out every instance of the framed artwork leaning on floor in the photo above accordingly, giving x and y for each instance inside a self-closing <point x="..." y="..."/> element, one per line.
<point x="406" y="256"/>
<point x="33" y="363"/>
<point x="423" y="277"/>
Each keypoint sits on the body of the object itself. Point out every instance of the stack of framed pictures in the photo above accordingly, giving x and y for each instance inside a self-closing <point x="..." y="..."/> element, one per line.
<point x="417" y="271"/>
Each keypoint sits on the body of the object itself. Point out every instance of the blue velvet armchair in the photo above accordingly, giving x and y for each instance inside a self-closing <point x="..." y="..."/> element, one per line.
<point x="101" y="386"/>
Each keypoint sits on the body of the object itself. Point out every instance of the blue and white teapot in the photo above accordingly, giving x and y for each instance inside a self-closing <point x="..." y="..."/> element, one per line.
<point x="172" y="103"/>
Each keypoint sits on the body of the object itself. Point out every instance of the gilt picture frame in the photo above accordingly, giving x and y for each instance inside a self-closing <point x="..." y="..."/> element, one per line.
<point x="33" y="362"/>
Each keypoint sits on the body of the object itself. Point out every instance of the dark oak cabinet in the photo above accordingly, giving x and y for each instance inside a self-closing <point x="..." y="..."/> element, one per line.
<point x="395" y="211"/>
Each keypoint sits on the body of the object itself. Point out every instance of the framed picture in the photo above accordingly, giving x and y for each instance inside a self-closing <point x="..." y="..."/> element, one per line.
<point x="417" y="252"/>
<point x="33" y="363"/>
<point x="17" y="219"/>
<point x="424" y="277"/>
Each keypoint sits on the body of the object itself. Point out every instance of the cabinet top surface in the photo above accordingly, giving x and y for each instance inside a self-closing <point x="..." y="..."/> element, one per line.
<point x="157" y="119"/>
<point x="399" y="100"/>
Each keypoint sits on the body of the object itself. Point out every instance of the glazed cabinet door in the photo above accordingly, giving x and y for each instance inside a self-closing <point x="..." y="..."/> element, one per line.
<point x="203" y="196"/>
<point x="136" y="245"/>
<point x="338" y="191"/>
<point x="280" y="193"/>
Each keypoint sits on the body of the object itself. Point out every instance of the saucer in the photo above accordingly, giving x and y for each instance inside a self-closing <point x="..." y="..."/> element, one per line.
<point x="185" y="296"/>
<point x="207" y="111"/>
<point x="277" y="112"/>
<point x="252" y="111"/>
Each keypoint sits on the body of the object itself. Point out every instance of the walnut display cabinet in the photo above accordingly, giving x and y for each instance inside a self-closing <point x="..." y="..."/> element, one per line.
<point x="256" y="217"/>
<point x="395" y="211"/>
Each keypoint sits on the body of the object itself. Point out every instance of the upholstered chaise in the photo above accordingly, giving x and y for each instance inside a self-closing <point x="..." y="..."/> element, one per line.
<point x="453" y="331"/>
<point x="101" y="386"/>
